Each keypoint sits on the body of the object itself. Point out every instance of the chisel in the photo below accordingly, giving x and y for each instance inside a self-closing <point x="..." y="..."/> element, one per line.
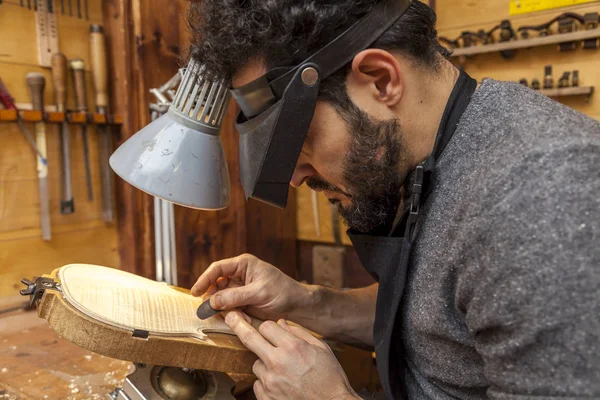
<point x="9" y="103"/>
<point x="78" y="69"/>
<point x="36" y="83"/>
<point x="59" y="78"/>
<point x="99" y="73"/>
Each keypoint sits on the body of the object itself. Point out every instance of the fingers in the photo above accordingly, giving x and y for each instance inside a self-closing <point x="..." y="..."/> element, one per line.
<point x="259" y="391"/>
<point x="249" y="336"/>
<point x="235" y="297"/>
<point x="224" y="268"/>
<point x="243" y="314"/>
<point x="278" y="336"/>
<point x="259" y="369"/>
<point x="302" y="333"/>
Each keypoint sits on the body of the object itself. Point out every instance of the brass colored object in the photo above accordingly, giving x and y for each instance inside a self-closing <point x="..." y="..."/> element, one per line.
<point x="575" y="78"/>
<point x="566" y="24"/>
<point x="548" y="80"/>
<point x="591" y="21"/>
<point x="564" y="80"/>
<point x="535" y="84"/>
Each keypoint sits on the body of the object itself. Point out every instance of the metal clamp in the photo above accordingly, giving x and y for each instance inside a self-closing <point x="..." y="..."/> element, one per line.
<point x="37" y="288"/>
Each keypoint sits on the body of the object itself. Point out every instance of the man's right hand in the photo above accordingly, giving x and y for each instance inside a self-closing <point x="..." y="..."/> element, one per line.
<point x="252" y="285"/>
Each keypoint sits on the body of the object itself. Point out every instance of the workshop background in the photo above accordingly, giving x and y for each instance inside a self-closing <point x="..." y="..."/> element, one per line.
<point x="146" y="43"/>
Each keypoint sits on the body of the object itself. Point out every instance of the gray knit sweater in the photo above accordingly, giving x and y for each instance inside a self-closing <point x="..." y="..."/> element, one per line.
<point x="503" y="295"/>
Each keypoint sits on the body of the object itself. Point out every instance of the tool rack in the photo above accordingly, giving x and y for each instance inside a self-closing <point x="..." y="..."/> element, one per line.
<point x="80" y="118"/>
<point x="527" y="43"/>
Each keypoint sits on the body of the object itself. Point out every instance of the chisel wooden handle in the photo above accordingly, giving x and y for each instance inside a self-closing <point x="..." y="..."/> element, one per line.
<point x="78" y="68"/>
<point x="59" y="78"/>
<point x="36" y="83"/>
<point x="98" y="60"/>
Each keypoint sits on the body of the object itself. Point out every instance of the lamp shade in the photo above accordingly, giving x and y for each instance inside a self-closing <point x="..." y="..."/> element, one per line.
<point x="169" y="160"/>
<point x="179" y="157"/>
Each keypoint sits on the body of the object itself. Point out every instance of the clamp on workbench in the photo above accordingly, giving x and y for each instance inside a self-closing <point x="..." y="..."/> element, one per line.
<point x="37" y="288"/>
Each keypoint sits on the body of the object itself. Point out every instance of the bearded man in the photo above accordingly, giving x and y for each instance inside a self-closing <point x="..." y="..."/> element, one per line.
<point x="476" y="207"/>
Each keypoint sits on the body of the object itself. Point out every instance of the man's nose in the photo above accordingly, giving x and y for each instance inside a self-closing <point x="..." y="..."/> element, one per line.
<point x="302" y="171"/>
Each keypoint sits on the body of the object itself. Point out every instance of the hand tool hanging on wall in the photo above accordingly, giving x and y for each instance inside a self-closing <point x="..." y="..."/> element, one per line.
<point x="59" y="77"/>
<point x="47" y="34"/>
<point x="9" y="103"/>
<point x="36" y="83"/>
<point x="78" y="69"/>
<point x="99" y="72"/>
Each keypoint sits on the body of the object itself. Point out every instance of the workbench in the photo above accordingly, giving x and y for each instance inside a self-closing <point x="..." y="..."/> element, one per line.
<point x="35" y="363"/>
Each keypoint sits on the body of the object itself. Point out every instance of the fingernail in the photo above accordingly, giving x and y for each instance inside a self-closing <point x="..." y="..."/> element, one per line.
<point x="216" y="302"/>
<point x="282" y="322"/>
<point x="230" y="317"/>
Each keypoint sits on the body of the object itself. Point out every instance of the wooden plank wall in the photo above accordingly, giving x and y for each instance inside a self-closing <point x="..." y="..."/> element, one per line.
<point x="455" y="16"/>
<point x="160" y="41"/>
<point x="82" y="236"/>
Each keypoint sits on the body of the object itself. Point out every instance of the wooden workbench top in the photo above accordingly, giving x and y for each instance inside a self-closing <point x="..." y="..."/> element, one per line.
<point x="36" y="364"/>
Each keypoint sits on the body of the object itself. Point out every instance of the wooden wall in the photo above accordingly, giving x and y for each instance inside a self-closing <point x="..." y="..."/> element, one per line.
<point x="146" y="42"/>
<point x="455" y="16"/>
<point x="79" y="237"/>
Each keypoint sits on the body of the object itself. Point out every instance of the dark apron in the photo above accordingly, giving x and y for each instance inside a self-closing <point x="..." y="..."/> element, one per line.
<point x="386" y="257"/>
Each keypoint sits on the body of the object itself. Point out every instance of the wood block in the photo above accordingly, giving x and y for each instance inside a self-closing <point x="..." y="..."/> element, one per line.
<point x="31" y="116"/>
<point x="67" y="314"/>
<point x="55" y="117"/>
<point x="78" y="118"/>
<point x="98" y="118"/>
<point x="8" y="115"/>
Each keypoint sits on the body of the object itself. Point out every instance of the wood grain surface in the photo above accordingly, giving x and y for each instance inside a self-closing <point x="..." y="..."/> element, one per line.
<point x="128" y="301"/>
<point x="216" y="352"/>
<point x="36" y="364"/>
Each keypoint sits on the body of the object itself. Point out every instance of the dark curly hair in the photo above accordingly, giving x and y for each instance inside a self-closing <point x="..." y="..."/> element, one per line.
<point x="229" y="33"/>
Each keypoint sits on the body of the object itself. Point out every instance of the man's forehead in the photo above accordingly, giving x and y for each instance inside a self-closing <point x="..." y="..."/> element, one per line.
<point x="252" y="70"/>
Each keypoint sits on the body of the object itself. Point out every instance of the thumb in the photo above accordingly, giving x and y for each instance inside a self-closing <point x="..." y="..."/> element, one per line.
<point x="230" y="298"/>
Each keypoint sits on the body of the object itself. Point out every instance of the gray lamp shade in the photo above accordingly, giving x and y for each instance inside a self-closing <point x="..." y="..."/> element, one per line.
<point x="167" y="159"/>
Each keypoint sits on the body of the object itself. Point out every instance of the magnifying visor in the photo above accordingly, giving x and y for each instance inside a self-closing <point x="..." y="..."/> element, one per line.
<point x="277" y="108"/>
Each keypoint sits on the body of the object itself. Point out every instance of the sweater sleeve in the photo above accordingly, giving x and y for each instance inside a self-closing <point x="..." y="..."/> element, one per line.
<point x="530" y="288"/>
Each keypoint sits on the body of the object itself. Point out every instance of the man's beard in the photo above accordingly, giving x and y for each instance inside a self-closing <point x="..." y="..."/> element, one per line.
<point x="371" y="171"/>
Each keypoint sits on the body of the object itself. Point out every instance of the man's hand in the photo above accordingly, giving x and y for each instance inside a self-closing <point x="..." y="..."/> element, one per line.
<point x="292" y="364"/>
<point x="250" y="284"/>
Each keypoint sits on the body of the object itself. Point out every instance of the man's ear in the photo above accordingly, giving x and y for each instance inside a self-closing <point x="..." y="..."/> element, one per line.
<point x="381" y="70"/>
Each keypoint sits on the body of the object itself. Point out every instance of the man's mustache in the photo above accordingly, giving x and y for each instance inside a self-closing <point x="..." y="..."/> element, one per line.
<point x="318" y="184"/>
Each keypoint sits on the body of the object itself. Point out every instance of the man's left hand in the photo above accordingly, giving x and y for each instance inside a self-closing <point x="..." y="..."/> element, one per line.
<point x="292" y="364"/>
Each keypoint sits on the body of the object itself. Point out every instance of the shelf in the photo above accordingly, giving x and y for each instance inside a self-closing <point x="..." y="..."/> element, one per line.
<point x="569" y="91"/>
<point x="526" y="43"/>
<point x="59" y="117"/>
